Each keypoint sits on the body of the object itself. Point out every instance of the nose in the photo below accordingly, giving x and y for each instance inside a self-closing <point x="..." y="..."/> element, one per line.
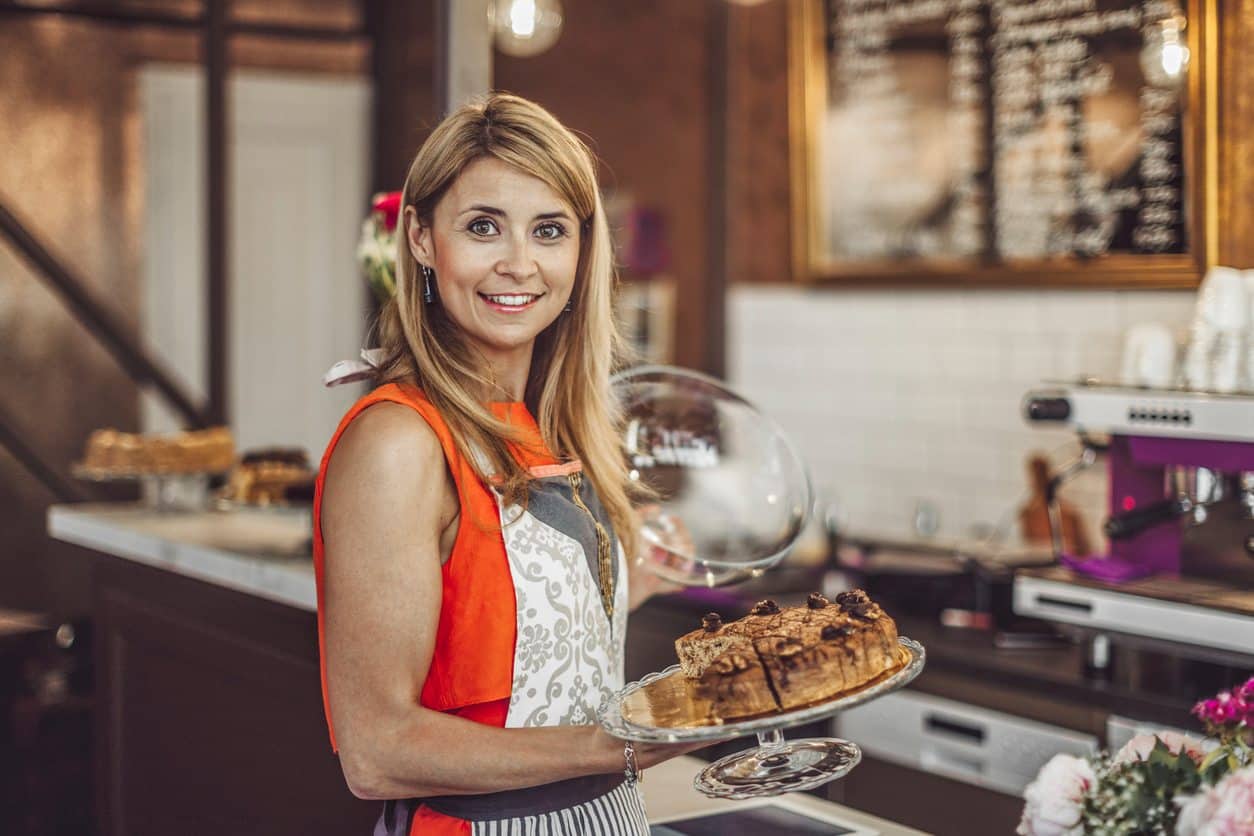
<point x="517" y="261"/>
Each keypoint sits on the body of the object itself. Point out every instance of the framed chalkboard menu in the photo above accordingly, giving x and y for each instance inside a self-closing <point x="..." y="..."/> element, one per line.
<point x="1061" y="142"/>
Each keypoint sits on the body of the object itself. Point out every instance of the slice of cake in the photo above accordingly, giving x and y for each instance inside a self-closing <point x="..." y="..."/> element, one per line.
<point x="723" y="663"/>
<point x="777" y="658"/>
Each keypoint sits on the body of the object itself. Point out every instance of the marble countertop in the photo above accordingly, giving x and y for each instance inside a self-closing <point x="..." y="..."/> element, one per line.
<point x="264" y="552"/>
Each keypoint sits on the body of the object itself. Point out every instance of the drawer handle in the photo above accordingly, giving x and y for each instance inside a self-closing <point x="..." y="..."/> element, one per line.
<point x="936" y="723"/>
<point x="932" y="760"/>
<point x="1065" y="603"/>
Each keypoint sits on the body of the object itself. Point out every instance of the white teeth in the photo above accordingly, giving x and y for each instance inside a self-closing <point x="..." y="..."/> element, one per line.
<point x="511" y="301"/>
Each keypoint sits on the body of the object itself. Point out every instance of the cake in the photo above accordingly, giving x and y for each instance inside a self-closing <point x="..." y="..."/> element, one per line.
<point x="271" y="476"/>
<point x="110" y="452"/>
<point x="775" y="658"/>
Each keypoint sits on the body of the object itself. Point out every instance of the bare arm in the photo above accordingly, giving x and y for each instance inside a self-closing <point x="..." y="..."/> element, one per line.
<point x="388" y="497"/>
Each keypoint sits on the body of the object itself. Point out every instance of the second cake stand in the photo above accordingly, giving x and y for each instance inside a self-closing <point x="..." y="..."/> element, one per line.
<point x="660" y="708"/>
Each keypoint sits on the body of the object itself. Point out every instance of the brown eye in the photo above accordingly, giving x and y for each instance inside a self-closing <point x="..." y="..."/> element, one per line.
<point x="551" y="231"/>
<point x="482" y="226"/>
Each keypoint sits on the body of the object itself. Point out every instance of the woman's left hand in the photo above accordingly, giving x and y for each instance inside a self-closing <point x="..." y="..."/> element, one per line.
<point x="643" y="583"/>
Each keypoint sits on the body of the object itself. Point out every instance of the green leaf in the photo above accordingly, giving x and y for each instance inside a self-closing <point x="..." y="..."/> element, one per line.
<point x="1160" y="753"/>
<point x="1215" y="772"/>
<point x="1211" y="757"/>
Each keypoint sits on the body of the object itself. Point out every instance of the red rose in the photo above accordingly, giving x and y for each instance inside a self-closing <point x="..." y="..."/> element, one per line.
<point x="389" y="205"/>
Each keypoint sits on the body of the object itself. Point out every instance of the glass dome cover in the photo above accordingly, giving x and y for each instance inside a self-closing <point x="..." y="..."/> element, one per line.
<point x="731" y="494"/>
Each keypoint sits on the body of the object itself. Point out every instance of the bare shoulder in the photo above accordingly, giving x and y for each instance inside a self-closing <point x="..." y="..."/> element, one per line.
<point x="388" y="435"/>
<point x="387" y="456"/>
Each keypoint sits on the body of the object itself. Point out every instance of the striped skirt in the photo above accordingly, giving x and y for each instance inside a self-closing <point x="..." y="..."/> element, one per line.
<point x="594" y="805"/>
<point x="619" y="812"/>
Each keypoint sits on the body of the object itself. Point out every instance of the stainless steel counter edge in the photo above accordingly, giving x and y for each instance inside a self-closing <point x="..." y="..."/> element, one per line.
<point x="1125" y="612"/>
<point x="196" y="544"/>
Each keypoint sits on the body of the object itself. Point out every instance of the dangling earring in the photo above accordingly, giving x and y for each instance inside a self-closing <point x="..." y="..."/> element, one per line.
<point x="428" y="293"/>
<point x="570" y="304"/>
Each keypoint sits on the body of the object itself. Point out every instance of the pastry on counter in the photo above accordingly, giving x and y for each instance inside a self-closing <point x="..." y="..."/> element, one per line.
<point x="110" y="452"/>
<point x="271" y="476"/>
<point x="775" y="658"/>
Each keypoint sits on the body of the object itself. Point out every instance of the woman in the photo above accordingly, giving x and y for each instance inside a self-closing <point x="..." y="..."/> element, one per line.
<point x="473" y="511"/>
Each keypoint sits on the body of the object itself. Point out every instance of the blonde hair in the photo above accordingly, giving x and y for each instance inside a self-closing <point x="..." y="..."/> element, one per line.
<point x="568" y="388"/>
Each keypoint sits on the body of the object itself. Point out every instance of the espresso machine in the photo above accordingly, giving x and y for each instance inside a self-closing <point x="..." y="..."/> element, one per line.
<point x="1179" y="520"/>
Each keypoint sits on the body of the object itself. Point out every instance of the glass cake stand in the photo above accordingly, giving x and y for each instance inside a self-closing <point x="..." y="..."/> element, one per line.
<point x="163" y="492"/>
<point x="661" y="708"/>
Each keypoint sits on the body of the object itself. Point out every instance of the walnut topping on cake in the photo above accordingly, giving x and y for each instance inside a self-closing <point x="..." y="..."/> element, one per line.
<point x="853" y="596"/>
<point x="765" y="607"/>
<point x="856" y="603"/>
<point x="711" y="621"/>
<point x="817" y="601"/>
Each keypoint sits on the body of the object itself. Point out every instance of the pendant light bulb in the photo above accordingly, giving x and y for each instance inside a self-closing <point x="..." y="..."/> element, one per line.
<point x="523" y="28"/>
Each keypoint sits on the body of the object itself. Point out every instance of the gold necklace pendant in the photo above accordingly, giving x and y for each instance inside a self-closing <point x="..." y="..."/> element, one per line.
<point x="605" y="555"/>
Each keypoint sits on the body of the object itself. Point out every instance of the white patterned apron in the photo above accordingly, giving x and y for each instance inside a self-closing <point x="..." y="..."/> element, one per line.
<point x="568" y="658"/>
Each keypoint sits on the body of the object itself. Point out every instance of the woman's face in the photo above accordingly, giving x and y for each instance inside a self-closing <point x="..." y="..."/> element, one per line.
<point x="505" y="249"/>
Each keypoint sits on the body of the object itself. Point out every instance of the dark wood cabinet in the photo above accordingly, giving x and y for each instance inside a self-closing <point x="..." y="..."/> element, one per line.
<point x="210" y="713"/>
<point x="925" y="801"/>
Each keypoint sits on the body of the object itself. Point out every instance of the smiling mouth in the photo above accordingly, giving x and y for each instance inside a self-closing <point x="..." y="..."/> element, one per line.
<point x="510" y="301"/>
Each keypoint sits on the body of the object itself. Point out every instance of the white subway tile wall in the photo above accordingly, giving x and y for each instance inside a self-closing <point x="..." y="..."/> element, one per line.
<point x="905" y="397"/>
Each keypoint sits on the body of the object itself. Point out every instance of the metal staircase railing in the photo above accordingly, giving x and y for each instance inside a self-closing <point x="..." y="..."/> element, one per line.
<point x="108" y="330"/>
<point x="14" y="440"/>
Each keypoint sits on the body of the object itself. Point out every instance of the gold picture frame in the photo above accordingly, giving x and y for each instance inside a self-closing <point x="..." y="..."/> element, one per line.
<point x="815" y="263"/>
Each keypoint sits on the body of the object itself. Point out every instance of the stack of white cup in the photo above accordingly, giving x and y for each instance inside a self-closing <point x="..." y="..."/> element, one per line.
<point x="1218" y="351"/>
<point x="1248" y="378"/>
<point x="1217" y="358"/>
<point x="1149" y="356"/>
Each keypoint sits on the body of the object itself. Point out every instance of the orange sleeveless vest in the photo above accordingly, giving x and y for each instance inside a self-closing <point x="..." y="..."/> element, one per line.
<point x="471" y="673"/>
<point x="474" y="646"/>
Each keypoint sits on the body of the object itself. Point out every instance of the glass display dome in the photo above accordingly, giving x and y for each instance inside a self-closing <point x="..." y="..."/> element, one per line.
<point x="730" y="493"/>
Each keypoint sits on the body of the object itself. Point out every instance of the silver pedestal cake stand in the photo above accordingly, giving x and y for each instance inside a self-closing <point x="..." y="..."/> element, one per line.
<point x="661" y="708"/>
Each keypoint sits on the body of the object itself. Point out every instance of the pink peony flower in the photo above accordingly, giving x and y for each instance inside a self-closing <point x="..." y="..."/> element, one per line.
<point x="1226" y="809"/>
<point x="1055" y="800"/>
<point x="1139" y="747"/>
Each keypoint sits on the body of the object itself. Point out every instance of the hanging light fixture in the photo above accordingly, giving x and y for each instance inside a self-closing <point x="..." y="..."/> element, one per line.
<point x="523" y="28"/>
<point x="1165" y="54"/>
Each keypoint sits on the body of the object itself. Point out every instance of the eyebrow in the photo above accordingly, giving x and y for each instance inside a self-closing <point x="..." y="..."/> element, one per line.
<point x="500" y="213"/>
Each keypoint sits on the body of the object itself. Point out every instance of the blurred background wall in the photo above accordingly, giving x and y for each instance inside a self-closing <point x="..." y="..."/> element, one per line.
<point x="897" y="395"/>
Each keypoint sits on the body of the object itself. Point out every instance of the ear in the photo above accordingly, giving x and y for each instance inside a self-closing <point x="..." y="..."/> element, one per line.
<point x="418" y="236"/>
